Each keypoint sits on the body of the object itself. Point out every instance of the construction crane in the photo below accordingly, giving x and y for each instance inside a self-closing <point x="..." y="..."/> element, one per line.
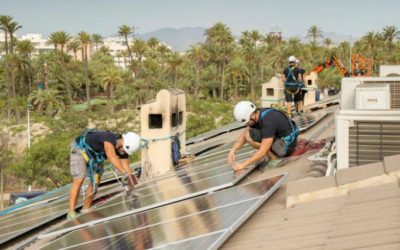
<point x="333" y="60"/>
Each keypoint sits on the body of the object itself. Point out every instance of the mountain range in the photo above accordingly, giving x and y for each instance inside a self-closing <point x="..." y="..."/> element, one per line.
<point x="181" y="39"/>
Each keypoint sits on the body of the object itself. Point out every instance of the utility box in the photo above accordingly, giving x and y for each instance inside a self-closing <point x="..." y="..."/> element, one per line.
<point x="389" y="71"/>
<point x="272" y="92"/>
<point x="310" y="81"/>
<point x="372" y="96"/>
<point x="160" y="120"/>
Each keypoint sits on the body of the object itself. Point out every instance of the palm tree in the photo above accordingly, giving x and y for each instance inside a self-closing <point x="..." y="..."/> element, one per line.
<point x="175" y="61"/>
<point x="371" y="40"/>
<point x="46" y="100"/>
<point x="74" y="45"/>
<point x="313" y="47"/>
<point x="250" y="54"/>
<point x="237" y="69"/>
<point x="212" y="76"/>
<point x="163" y="51"/>
<point x="139" y="47"/>
<point x="12" y="28"/>
<point x="104" y="50"/>
<point x="26" y="48"/>
<point x="125" y="31"/>
<point x="125" y="54"/>
<point x="62" y="38"/>
<point x="221" y="34"/>
<point x="314" y="32"/>
<point x="97" y="39"/>
<point x="278" y="57"/>
<point x="390" y="33"/>
<point x="328" y="42"/>
<point x="4" y="24"/>
<point x="153" y="42"/>
<point x="110" y="78"/>
<point x="198" y="54"/>
<point x="84" y="38"/>
<point x="52" y="40"/>
<point x="294" y="42"/>
<point x="149" y="67"/>
<point x="255" y="36"/>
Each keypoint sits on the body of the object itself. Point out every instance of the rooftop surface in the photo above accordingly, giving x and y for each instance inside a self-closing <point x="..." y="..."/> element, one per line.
<point x="364" y="218"/>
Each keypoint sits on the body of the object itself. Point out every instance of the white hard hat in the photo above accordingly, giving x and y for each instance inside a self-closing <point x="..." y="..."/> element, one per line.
<point x="243" y="111"/>
<point x="131" y="142"/>
<point x="297" y="61"/>
<point x="292" y="59"/>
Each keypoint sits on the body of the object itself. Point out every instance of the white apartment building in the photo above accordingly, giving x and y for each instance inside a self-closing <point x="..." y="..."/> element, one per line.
<point x="38" y="41"/>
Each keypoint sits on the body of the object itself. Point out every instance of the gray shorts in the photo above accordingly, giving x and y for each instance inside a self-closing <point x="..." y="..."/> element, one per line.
<point x="78" y="166"/>
<point x="278" y="146"/>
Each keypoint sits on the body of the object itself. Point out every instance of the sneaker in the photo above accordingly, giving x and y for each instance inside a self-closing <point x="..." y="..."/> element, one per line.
<point x="72" y="215"/>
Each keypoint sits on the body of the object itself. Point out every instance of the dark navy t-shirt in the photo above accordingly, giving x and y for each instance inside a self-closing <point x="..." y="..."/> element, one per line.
<point x="96" y="141"/>
<point x="274" y="125"/>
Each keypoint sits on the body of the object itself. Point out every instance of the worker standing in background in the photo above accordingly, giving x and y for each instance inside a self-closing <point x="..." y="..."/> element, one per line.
<point x="300" y="104"/>
<point x="269" y="130"/>
<point x="291" y="78"/>
<point x="88" y="153"/>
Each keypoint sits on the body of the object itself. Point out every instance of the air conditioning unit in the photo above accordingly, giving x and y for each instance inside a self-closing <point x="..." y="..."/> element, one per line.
<point x="372" y="96"/>
<point x="349" y="85"/>
<point x="366" y="136"/>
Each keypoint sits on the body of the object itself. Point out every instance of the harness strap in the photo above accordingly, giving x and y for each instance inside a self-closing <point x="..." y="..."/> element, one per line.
<point x="290" y="74"/>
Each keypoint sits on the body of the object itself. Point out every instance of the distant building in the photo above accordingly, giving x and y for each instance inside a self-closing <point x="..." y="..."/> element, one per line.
<point x="38" y="41"/>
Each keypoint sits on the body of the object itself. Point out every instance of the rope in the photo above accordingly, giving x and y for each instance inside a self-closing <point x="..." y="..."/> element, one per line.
<point x="147" y="167"/>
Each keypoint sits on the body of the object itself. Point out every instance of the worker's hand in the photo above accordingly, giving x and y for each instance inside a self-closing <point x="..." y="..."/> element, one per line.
<point x="126" y="181"/>
<point x="231" y="157"/>
<point x="238" y="166"/>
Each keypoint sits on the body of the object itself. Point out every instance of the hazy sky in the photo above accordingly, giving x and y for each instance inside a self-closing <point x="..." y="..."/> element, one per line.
<point x="344" y="17"/>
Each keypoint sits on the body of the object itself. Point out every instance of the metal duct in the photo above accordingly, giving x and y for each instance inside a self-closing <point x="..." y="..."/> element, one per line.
<point x="369" y="142"/>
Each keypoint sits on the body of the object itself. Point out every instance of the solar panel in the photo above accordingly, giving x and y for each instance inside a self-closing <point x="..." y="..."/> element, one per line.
<point x="55" y="195"/>
<point x="204" y="222"/>
<point x="303" y="122"/>
<point x="195" y="150"/>
<point x="25" y="221"/>
<point x="213" y="133"/>
<point x="159" y="195"/>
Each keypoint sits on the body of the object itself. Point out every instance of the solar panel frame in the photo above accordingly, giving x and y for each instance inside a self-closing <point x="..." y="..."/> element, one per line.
<point x="172" y="192"/>
<point x="227" y="199"/>
<point x="216" y="132"/>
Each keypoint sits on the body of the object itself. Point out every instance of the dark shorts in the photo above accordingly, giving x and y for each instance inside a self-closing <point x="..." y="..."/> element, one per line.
<point x="293" y="94"/>
<point x="278" y="146"/>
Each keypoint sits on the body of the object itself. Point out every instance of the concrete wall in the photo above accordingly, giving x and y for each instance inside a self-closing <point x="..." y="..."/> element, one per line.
<point x="167" y="103"/>
<point x="310" y="81"/>
<point x="272" y="92"/>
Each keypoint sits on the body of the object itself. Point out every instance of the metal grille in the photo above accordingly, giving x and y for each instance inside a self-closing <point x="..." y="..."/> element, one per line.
<point x="394" y="92"/>
<point x="369" y="142"/>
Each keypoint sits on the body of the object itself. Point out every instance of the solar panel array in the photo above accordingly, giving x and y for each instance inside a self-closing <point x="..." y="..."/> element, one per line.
<point x="205" y="178"/>
<point x="204" y="222"/>
<point x="25" y="220"/>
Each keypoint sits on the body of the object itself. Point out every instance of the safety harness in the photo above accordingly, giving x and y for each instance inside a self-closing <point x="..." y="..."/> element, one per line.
<point x="288" y="139"/>
<point x="92" y="158"/>
<point x="292" y="84"/>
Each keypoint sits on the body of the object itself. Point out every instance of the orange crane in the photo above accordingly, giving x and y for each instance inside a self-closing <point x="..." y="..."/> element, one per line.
<point x="333" y="60"/>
